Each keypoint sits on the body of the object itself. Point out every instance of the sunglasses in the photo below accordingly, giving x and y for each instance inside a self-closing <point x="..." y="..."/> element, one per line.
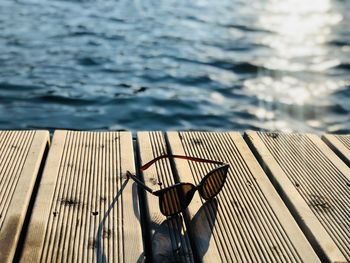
<point x="176" y="198"/>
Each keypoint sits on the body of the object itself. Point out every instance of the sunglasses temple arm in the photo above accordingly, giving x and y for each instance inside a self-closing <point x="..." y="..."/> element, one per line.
<point x="147" y="165"/>
<point x="139" y="182"/>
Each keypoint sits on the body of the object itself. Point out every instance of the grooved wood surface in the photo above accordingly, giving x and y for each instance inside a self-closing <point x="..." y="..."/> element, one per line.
<point x="340" y="144"/>
<point x="315" y="184"/>
<point x="168" y="236"/>
<point x="21" y="154"/>
<point x="247" y="221"/>
<point x="85" y="210"/>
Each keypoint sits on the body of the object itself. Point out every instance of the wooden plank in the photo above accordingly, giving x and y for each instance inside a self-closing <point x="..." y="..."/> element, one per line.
<point x="85" y="210"/>
<point x="247" y="221"/>
<point x="340" y="144"/>
<point x="314" y="183"/>
<point x="21" y="154"/>
<point x="169" y="237"/>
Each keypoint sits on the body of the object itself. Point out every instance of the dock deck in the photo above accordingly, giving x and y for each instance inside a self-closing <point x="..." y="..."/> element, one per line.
<point x="286" y="198"/>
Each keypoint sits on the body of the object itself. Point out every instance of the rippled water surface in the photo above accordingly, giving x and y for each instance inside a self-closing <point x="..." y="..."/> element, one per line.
<point x="175" y="65"/>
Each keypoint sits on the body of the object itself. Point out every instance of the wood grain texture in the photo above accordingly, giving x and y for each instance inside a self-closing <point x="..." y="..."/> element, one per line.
<point x="169" y="236"/>
<point x="340" y="144"/>
<point x="21" y="154"/>
<point x="86" y="210"/>
<point x="247" y="221"/>
<point x="314" y="183"/>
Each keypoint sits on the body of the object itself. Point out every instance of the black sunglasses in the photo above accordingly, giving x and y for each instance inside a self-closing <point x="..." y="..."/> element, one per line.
<point x="176" y="198"/>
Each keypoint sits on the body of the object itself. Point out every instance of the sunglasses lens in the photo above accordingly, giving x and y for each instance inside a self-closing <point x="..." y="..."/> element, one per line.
<point x="176" y="199"/>
<point x="212" y="184"/>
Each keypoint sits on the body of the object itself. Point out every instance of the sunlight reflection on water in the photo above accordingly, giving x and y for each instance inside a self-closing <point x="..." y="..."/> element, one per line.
<point x="300" y="30"/>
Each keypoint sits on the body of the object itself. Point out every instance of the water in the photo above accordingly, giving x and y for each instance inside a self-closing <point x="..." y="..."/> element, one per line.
<point x="175" y="65"/>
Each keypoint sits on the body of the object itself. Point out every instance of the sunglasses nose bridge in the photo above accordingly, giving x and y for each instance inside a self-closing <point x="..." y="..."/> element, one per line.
<point x="199" y="187"/>
<point x="196" y="188"/>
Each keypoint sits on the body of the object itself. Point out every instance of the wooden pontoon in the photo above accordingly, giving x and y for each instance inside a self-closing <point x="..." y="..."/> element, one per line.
<point x="286" y="198"/>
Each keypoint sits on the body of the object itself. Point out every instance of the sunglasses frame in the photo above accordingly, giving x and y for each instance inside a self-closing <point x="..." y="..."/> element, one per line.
<point x="198" y="187"/>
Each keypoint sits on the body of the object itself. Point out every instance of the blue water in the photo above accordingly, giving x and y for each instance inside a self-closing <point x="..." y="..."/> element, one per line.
<point x="175" y="65"/>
